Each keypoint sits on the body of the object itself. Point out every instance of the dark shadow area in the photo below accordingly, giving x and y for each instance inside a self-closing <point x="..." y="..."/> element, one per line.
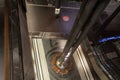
<point x="1" y="43"/>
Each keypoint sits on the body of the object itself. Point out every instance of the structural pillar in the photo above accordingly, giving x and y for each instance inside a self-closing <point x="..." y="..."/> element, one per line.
<point x="88" y="17"/>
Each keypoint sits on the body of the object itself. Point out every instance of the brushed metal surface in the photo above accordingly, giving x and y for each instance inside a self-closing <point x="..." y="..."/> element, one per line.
<point x="42" y="19"/>
<point x="42" y="47"/>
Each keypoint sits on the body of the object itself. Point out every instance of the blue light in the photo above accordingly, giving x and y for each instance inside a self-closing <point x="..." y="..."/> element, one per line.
<point x="109" y="39"/>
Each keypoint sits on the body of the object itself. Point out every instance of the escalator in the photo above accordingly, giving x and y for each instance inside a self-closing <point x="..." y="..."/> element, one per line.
<point x="108" y="55"/>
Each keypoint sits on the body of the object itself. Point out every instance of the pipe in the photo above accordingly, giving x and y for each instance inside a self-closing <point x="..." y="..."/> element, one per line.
<point x="82" y="7"/>
<point x="87" y="26"/>
<point x="100" y="7"/>
<point x="108" y="21"/>
<point x="84" y="13"/>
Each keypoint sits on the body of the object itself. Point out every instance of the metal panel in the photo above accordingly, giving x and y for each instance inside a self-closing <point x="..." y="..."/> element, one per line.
<point x="41" y="18"/>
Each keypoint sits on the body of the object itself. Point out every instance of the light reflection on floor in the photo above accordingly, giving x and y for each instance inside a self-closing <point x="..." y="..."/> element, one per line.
<point x="40" y="64"/>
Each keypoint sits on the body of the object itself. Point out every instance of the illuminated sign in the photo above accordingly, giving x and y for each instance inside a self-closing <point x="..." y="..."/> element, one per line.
<point x="109" y="39"/>
<point x="66" y="18"/>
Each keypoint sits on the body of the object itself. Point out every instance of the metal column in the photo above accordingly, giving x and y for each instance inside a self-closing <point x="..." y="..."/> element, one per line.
<point x="87" y="19"/>
<point x="108" y="21"/>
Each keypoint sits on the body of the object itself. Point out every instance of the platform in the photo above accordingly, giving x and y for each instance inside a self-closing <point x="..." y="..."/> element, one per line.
<point x="40" y="52"/>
